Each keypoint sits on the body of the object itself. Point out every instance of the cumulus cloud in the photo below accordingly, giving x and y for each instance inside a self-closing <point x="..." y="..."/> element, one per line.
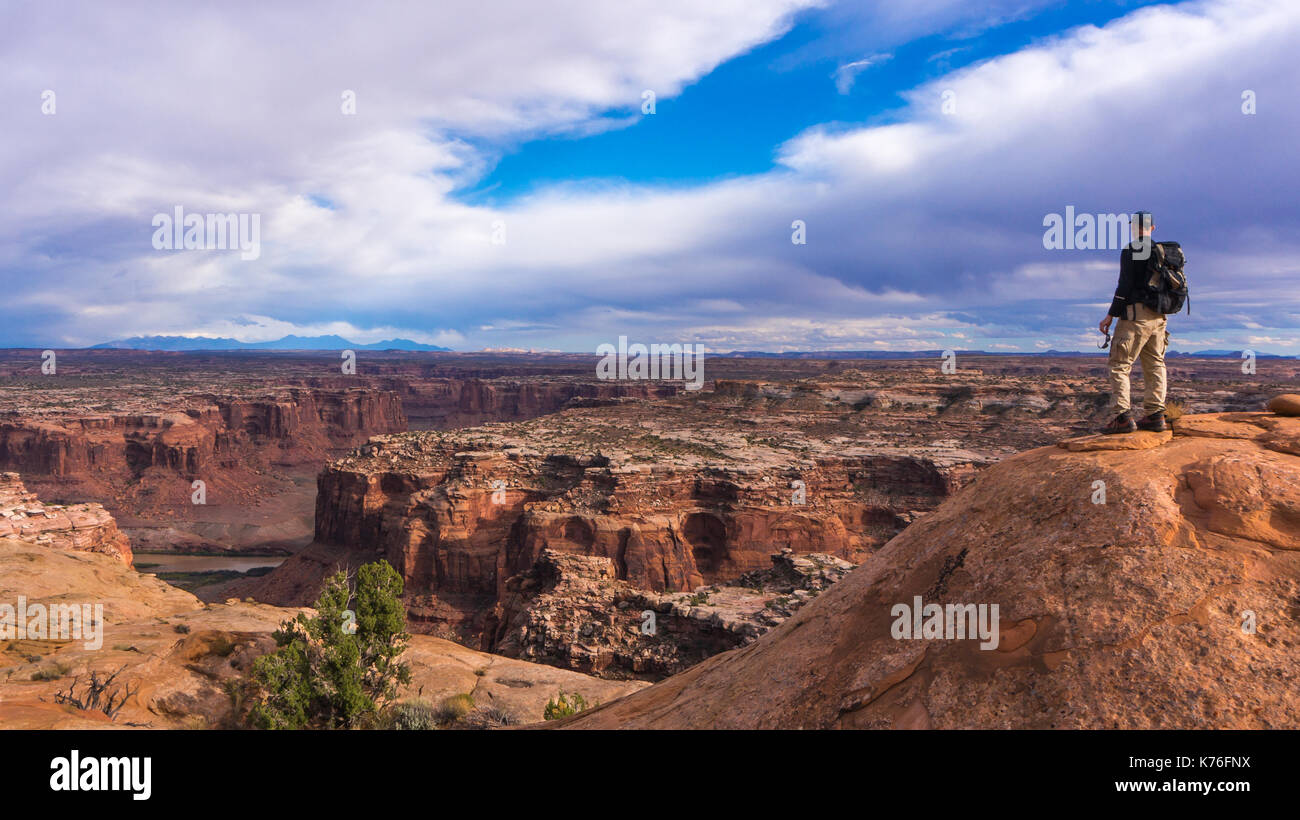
<point x="240" y="110"/>
<point x="921" y="231"/>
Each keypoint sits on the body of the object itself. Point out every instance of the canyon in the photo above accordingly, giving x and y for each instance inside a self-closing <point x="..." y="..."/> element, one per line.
<point x="669" y="491"/>
<point x="179" y="655"/>
<point x="135" y="431"/>
<point x="671" y="495"/>
<point x="624" y="532"/>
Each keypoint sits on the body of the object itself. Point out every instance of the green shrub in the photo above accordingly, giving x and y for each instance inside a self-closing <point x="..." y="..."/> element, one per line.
<point x="325" y="675"/>
<point x="562" y="705"/>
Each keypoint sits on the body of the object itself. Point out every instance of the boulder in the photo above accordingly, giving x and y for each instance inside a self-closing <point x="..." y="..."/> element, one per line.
<point x="1287" y="404"/>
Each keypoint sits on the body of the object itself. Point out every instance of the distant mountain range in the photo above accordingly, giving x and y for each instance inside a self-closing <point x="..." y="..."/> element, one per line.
<point x="287" y="343"/>
<point x="199" y="343"/>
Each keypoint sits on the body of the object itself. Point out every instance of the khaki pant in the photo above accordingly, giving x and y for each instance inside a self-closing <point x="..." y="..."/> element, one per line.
<point x="1143" y="337"/>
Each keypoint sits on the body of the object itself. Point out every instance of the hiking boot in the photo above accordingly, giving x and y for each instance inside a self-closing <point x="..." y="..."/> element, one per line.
<point x="1123" y="423"/>
<point x="1154" y="422"/>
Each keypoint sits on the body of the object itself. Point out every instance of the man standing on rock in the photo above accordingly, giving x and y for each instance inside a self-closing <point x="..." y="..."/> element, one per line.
<point x="1140" y="334"/>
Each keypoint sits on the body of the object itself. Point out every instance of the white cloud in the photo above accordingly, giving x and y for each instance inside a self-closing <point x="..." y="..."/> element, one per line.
<point x="911" y="224"/>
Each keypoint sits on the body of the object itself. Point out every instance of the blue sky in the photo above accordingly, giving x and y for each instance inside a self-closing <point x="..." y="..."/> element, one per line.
<point x="732" y="121"/>
<point x="495" y="185"/>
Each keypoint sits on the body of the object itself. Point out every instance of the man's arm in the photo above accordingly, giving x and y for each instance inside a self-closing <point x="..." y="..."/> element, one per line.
<point x="1124" y="290"/>
<point x="1128" y="273"/>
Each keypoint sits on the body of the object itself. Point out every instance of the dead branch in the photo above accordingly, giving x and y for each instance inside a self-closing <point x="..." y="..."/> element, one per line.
<point x="100" y="695"/>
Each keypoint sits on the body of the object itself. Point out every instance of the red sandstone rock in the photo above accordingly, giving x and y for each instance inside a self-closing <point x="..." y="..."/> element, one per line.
<point x="670" y="514"/>
<point x="80" y="527"/>
<point x="569" y="610"/>
<point x="199" y="438"/>
<point x="1141" y="440"/>
<point x="1123" y="614"/>
<point x="1287" y="404"/>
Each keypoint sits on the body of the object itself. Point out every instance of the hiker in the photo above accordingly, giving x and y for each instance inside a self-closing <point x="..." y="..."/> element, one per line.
<point x="1140" y="334"/>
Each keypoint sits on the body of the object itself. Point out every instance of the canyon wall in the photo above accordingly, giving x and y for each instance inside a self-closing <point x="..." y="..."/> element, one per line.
<point x="458" y="524"/>
<point x="254" y="454"/>
<point x="569" y="610"/>
<point x="77" y="527"/>
<point x="297" y="425"/>
<point x="255" y="448"/>
<point x="448" y="403"/>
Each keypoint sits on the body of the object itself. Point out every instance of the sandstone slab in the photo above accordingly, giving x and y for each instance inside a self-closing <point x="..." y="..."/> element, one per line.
<point x="82" y="527"/>
<point x="1141" y="440"/>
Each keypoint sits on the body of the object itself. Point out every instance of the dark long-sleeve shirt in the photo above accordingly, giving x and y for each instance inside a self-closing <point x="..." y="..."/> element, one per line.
<point x="1131" y="272"/>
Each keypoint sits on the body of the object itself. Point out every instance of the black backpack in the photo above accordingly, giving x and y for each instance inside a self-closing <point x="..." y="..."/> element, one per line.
<point x="1165" y="288"/>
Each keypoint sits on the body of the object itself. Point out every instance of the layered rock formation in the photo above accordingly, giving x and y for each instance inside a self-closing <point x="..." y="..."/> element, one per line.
<point x="671" y="492"/>
<point x="133" y="429"/>
<point x="548" y="539"/>
<point x="80" y="527"/>
<point x="569" y="610"/>
<point x="677" y="493"/>
<point x="246" y="449"/>
<point x="1149" y="587"/>
<point x="295" y="425"/>
<point x="449" y="403"/>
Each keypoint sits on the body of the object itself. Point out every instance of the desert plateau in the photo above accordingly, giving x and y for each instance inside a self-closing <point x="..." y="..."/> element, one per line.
<point x="541" y="520"/>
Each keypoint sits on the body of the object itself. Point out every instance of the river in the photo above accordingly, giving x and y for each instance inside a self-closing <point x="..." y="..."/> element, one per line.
<point x="174" y="562"/>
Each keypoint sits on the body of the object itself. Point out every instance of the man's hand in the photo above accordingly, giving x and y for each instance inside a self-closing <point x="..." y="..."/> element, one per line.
<point x="1105" y="324"/>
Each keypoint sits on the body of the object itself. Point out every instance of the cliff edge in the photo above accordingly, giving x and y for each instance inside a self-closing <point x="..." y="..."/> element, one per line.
<point x="1144" y="581"/>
